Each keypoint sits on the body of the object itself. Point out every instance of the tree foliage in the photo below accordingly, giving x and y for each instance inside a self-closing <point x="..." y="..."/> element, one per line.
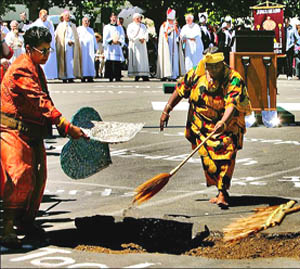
<point x="217" y="9"/>
<point x="153" y="9"/>
<point x="6" y="6"/>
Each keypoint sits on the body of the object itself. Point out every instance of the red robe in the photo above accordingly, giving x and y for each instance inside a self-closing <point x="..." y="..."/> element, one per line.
<point x="24" y="95"/>
<point x="2" y="70"/>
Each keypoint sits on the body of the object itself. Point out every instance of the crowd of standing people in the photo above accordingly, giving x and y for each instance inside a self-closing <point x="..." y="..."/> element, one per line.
<point x="82" y="53"/>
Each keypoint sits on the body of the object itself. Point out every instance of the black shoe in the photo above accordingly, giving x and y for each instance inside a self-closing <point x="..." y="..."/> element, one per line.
<point x="118" y="79"/>
<point x="64" y="81"/>
<point x="111" y="80"/>
<point x="83" y="80"/>
<point x="163" y="79"/>
<point x="137" y="78"/>
<point x="145" y="79"/>
<point x="90" y="80"/>
<point x="71" y="80"/>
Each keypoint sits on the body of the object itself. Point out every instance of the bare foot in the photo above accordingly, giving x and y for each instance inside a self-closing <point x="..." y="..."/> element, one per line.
<point x="213" y="200"/>
<point x="222" y="199"/>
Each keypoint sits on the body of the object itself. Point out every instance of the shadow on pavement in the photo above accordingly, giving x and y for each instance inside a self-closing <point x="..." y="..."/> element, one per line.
<point x="248" y="200"/>
<point x="153" y="235"/>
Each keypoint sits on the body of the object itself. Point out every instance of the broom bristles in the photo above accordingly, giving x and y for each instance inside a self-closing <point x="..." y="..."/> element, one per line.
<point x="262" y="219"/>
<point x="149" y="188"/>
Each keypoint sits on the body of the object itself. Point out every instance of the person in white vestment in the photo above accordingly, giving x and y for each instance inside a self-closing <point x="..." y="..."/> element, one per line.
<point x="113" y="41"/>
<point x="68" y="50"/>
<point x="170" y="62"/>
<point x="24" y="24"/>
<point x="50" y="67"/>
<point x="15" y="40"/>
<point x="138" y="63"/>
<point x="88" y="46"/>
<point x="191" y="36"/>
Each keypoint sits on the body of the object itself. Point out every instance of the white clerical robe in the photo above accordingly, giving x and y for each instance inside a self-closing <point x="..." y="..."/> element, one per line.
<point x="193" y="46"/>
<point x="170" y="63"/>
<point x="113" y="52"/>
<point x="138" y="63"/>
<point x="50" y="67"/>
<point x="88" y="46"/>
<point x="16" y="42"/>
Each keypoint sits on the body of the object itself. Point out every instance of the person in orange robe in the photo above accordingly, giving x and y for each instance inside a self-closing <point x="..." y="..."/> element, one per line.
<point x="26" y="111"/>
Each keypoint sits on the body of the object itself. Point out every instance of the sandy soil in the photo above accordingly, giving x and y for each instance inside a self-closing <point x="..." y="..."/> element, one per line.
<point x="256" y="246"/>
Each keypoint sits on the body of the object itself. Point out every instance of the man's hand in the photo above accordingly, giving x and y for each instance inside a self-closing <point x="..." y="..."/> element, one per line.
<point x="142" y="40"/>
<point x="164" y="118"/>
<point x="190" y="82"/>
<point x="70" y="43"/>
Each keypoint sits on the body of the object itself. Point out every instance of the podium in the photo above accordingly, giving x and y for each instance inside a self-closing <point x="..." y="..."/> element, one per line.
<point x="257" y="77"/>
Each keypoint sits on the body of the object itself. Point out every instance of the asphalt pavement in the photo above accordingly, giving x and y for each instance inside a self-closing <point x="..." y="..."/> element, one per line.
<point x="267" y="172"/>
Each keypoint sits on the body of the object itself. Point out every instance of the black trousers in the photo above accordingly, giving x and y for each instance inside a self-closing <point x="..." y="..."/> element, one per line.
<point x="113" y="69"/>
<point x="289" y="62"/>
<point x="97" y="64"/>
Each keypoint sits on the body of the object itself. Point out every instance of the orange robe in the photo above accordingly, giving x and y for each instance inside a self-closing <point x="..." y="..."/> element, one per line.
<point x="24" y="96"/>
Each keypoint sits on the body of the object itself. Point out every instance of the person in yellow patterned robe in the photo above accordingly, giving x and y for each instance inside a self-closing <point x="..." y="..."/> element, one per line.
<point x="219" y="102"/>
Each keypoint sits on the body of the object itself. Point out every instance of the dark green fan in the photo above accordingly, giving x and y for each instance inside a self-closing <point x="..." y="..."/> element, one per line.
<point x="81" y="158"/>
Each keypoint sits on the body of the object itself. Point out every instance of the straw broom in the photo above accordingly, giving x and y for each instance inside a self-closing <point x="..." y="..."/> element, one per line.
<point x="262" y="219"/>
<point x="152" y="186"/>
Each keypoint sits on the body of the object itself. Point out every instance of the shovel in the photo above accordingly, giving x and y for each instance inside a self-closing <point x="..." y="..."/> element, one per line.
<point x="250" y="119"/>
<point x="269" y="118"/>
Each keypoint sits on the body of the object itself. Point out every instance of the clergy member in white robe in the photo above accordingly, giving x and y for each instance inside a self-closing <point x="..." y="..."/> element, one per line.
<point x="68" y="50"/>
<point x="50" y="67"/>
<point x="170" y="62"/>
<point x="15" y="40"/>
<point x="88" y="45"/>
<point x="113" y="41"/>
<point x="138" y="63"/>
<point x="190" y="34"/>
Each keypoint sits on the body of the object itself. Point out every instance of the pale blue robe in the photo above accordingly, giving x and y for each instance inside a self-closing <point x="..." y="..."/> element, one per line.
<point x="50" y="67"/>
<point x="193" y="49"/>
<point x="88" y="46"/>
<point x="113" y="52"/>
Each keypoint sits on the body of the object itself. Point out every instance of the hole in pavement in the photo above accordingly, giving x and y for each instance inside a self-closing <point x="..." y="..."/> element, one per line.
<point x="152" y="234"/>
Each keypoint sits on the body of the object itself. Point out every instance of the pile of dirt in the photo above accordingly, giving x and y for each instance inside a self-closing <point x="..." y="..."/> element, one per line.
<point x="126" y="249"/>
<point x="261" y="245"/>
<point x="255" y="246"/>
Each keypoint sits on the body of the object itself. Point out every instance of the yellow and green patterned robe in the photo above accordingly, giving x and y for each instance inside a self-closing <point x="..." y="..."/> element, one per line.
<point x="208" y="101"/>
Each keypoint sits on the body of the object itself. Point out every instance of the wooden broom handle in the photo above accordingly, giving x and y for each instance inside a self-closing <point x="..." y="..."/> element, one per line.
<point x="293" y="209"/>
<point x="191" y="154"/>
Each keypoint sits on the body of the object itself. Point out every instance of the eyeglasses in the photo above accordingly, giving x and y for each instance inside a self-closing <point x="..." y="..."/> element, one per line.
<point x="44" y="51"/>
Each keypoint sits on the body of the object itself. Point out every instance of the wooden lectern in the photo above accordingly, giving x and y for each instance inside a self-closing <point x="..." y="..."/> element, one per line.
<point x="257" y="77"/>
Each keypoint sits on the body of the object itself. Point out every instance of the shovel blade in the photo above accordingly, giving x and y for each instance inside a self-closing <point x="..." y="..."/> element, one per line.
<point x="250" y="120"/>
<point x="270" y="119"/>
